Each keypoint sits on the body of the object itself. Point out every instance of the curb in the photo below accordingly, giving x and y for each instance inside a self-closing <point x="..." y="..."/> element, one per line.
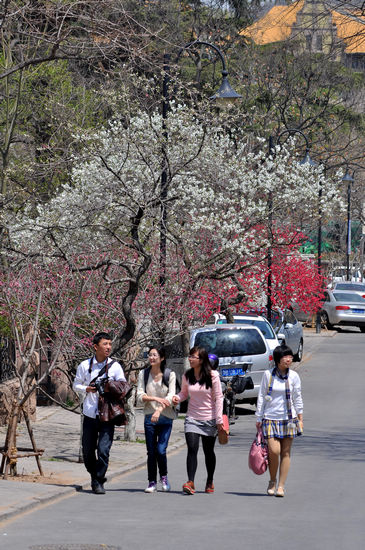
<point x="39" y="501"/>
<point x="323" y="334"/>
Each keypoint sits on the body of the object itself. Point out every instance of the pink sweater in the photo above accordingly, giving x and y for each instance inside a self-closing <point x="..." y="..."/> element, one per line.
<point x="204" y="404"/>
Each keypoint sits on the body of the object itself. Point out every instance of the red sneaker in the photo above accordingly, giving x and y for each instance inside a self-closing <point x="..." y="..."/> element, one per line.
<point x="209" y="488"/>
<point x="188" y="488"/>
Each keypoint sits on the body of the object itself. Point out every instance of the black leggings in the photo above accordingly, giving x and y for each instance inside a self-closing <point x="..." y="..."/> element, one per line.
<point x="192" y="441"/>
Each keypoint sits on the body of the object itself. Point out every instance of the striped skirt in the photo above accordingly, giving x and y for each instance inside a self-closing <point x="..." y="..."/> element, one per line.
<point x="202" y="427"/>
<point x="280" y="428"/>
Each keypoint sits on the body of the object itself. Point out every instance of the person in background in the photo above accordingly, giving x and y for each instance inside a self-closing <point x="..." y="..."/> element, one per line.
<point x="279" y="413"/>
<point x="213" y="360"/>
<point x="97" y="437"/>
<point x="155" y="392"/>
<point x="204" y="415"/>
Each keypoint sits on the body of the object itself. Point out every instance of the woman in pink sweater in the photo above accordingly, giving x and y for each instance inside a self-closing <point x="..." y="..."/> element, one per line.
<point x="204" y="416"/>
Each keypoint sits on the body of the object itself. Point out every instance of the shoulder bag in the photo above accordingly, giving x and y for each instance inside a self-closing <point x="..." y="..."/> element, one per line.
<point x="223" y="434"/>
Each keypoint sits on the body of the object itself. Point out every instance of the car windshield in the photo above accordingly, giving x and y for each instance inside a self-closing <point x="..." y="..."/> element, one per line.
<point x="342" y="297"/>
<point x="350" y="286"/>
<point x="231" y="343"/>
<point x="264" y="326"/>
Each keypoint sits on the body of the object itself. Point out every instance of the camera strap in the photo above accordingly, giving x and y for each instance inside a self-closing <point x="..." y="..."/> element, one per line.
<point x="102" y="371"/>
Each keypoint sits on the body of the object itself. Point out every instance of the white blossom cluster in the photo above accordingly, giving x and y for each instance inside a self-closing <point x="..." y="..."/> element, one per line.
<point x="219" y="193"/>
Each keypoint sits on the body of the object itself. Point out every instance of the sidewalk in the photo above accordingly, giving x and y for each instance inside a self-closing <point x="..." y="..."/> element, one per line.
<point x="57" y="431"/>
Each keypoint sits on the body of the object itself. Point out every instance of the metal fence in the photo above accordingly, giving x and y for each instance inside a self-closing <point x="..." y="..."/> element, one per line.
<point x="7" y="359"/>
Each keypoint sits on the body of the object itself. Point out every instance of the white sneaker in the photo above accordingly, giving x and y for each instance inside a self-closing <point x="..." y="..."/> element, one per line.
<point x="152" y="487"/>
<point x="165" y="485"/>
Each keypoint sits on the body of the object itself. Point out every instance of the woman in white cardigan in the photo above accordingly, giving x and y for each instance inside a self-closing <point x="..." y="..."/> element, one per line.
<point x="155" y="392"/>
<point x="280" y="415"/>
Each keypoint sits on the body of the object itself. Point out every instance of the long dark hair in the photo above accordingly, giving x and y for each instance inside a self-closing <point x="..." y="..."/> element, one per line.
<point x="162" y="353"/>
<point x="205" y="371"/>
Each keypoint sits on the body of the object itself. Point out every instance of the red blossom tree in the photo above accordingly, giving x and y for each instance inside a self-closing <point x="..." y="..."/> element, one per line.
<point x="294" y="278"/>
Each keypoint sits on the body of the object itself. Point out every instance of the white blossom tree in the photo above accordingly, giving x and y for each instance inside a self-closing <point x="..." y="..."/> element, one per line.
<point x="217" y="204"/>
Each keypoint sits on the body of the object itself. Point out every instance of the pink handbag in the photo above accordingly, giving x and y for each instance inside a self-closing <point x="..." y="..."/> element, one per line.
<point x="258" y="455"/>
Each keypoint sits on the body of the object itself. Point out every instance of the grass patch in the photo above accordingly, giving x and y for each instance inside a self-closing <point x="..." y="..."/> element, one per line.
<point x="138" y="440"/>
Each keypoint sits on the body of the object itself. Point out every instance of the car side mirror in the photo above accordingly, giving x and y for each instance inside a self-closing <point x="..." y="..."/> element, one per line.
<point x="281" y="338"/>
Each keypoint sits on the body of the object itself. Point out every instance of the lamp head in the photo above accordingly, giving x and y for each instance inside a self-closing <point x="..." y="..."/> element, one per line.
<point x="225" y="94"/>
<point x="347" y="178"/>
<point x="307" y="160"/>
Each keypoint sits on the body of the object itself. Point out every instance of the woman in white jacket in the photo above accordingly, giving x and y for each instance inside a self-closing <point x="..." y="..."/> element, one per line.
<point x="155" y="393"/>
<point x="280" y="415"/>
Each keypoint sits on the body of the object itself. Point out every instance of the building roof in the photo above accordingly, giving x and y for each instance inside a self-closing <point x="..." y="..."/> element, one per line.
<point x="351" y="29"/>
<point x="276" y="25"/>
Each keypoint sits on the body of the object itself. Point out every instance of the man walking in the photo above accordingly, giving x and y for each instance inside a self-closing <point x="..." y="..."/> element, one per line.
<point x="97" y="436"/>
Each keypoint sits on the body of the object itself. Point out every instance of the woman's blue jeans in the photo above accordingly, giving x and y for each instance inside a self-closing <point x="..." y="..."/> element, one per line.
<point x="157" y="436"/>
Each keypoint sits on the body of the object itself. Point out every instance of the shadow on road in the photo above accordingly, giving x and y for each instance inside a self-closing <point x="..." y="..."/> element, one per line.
<point x="241" y="494"/>
<point x="349" y="330"/>
<point x="244" y="410"/>
<point x="336" y="446"/>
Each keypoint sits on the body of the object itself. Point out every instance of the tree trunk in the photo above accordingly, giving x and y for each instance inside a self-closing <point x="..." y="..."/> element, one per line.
<point x="130" y="428"/>
<point x="9" y="466"/>
<point x="229" y="315"/>
<point x="81" y="456"/>
<point x="185" y="342"/>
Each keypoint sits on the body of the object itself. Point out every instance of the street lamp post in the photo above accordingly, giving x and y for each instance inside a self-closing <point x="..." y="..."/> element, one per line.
<point x="225" y="94"/>
<point x="319" y="253"/>
<point x="269" y="252"/>
<point x="347" y="179"/>
<point x="306" y="160"/>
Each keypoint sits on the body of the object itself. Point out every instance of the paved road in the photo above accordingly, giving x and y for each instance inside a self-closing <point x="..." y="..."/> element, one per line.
<point x="323" y="507"/>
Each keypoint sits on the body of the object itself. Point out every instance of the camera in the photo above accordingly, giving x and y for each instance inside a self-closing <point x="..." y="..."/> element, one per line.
<point x="100" y="385"/>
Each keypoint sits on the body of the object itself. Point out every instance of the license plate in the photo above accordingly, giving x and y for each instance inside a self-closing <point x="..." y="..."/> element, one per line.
<point x="358" y="311"/>
<point x="232" y="371"/>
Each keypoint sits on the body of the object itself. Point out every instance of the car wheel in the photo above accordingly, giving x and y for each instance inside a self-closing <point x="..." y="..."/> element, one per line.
<point x="299" y="355"/>
<point x="326" y="321"/>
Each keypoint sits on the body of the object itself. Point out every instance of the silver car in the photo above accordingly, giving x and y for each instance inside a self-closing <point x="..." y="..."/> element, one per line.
<point x="289" y="331"/>
<point x="241" y="349"/>
<point x="357" y="288"/>
<point x="343" y="307"/>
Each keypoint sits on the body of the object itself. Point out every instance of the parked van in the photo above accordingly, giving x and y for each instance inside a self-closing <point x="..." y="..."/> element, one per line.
<point x="241" y="349"/>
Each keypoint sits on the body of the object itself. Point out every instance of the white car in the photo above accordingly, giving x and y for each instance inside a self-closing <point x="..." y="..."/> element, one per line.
<point x="250" y="319"/>
<point x="241" y="349"/>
